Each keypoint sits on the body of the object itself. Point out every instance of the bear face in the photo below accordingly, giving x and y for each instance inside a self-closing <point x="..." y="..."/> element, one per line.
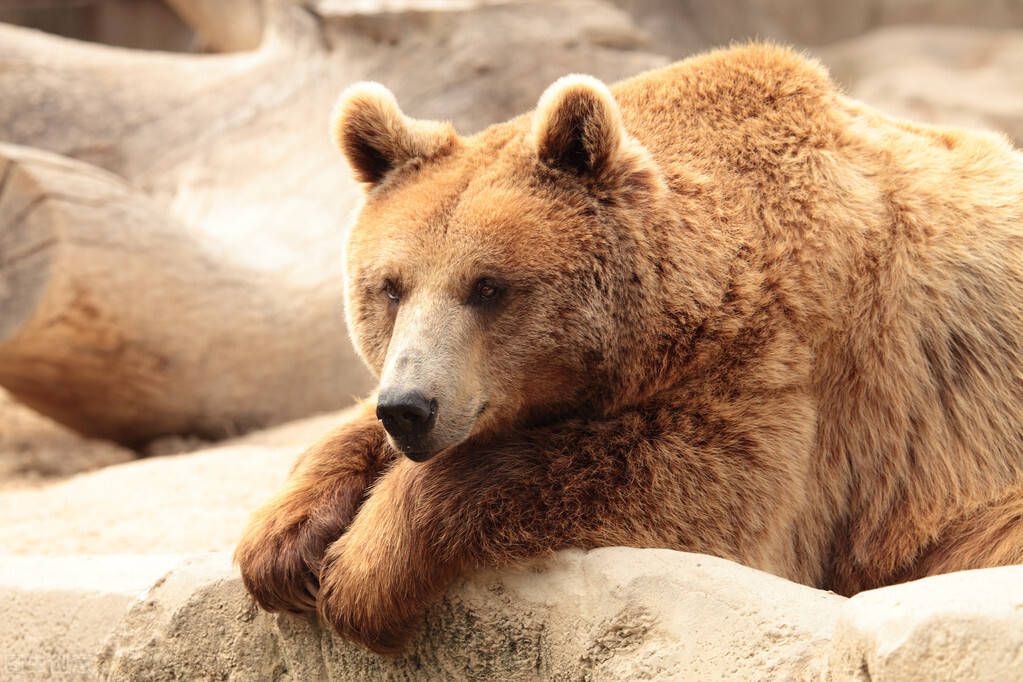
<point x="447" y="299"/>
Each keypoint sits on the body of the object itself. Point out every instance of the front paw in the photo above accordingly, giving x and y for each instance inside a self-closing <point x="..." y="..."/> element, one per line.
<point x="282" y="549"/>
<point x="362" y="604"/>
<point x="279" y="565"/>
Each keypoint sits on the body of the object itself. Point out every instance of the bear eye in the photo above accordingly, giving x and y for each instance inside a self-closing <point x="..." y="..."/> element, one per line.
<point x="391" y="290"/>
<point x="485" y="291"/>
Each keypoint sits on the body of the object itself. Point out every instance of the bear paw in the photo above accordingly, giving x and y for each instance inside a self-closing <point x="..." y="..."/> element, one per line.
<point x="362" y="605"/>
<point x="279" y="566"/>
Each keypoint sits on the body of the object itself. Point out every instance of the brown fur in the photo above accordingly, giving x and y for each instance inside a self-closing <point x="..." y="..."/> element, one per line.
<point x="740" y="314"/>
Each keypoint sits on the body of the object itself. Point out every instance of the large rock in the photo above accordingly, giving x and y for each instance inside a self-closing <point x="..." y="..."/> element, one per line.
<point x="608" y="614"/>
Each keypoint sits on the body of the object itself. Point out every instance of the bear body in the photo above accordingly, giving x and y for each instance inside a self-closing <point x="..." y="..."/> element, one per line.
<point x="718" y="308"/>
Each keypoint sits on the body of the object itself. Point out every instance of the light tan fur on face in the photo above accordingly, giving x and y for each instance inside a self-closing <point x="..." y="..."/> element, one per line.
<point x="435" y="349"/>
<point x="743" y="315"/>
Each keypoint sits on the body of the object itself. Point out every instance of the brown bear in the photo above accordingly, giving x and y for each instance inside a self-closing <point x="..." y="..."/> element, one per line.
<point x="719" y="307"/>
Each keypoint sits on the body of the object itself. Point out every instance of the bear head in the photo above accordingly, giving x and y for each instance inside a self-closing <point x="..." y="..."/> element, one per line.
<point x="503" y="279"/>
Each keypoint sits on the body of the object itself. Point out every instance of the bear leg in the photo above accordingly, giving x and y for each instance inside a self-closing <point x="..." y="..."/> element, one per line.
<point x="653" y="476"/>
<point x="281" y="550"/>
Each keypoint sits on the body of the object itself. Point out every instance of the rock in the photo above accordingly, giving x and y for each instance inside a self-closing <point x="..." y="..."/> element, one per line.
<point x="187" y="503"/>
<point x="959" y="626"/>
<point x="195" y="622"/>
<point x="680" y="27"/>
<point x="35" y="450"/>
<point x="612" y="613"/>
<point x="59" y="611"/>
<point x="951" y="76"/>
<point x="609" y="614"/>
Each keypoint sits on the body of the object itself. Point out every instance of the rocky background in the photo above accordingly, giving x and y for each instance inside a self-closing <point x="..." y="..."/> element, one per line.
<point x="171" y="223"/>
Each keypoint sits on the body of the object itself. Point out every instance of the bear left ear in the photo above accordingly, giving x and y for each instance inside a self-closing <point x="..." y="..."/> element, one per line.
<point x="376" y="137"/>
<point x="577" y="127"/>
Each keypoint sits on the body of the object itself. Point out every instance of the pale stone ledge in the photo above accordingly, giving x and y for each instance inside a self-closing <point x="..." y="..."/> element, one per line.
<point x="608" y="614"/>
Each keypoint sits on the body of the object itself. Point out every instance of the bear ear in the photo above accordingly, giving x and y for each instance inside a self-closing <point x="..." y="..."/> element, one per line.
<point x="577" y="126"/>
<point x="376" y="137"/>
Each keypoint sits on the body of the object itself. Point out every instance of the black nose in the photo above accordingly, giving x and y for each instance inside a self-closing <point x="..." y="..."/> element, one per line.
<point x="407" y="416"/>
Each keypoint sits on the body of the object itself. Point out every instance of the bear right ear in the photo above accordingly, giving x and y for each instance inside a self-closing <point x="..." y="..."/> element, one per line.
<point x="376" y="137"/>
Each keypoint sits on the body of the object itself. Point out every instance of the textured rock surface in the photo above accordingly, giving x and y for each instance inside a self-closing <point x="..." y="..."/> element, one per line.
<point x="608" y="614"/>
<point x="961" y="626"/>
<point x="611" y="614"/>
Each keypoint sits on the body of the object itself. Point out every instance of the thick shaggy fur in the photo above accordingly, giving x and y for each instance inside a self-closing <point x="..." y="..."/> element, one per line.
<point x="740" y="314"/>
